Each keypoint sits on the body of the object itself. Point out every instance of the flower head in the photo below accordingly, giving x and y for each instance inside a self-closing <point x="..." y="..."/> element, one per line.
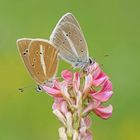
<point x="78" y="94"/>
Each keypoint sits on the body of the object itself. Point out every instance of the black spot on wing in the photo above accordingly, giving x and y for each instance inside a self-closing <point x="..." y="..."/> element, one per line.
<point x="36" y="52"/>
<point x="26" y="50"/>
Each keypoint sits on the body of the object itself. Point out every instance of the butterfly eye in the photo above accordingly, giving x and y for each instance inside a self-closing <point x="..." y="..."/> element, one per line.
<point x="67" y="34"/>
<point x="38" y="89"/>
<point x="82" y="51"/>
<point x="40" y="52"/>
<point x="91" y="61"/>
<point x="81" y="40"/>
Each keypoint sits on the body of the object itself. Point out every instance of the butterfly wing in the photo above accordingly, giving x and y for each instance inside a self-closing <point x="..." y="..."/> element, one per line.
<point x="42" y="60"/>
<point x="68" y="17"/>
<point x="23" y="48"/>
<point x="69" y="40"/>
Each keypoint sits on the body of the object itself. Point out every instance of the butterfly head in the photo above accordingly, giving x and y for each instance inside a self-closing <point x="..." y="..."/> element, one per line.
<point x="91" y="61"/>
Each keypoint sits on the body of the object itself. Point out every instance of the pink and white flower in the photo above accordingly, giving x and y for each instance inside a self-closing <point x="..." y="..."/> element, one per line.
<point x="78" y="94"/>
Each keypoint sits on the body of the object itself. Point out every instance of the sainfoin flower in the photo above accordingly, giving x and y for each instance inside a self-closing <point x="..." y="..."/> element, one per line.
<point x="77" y="95"/>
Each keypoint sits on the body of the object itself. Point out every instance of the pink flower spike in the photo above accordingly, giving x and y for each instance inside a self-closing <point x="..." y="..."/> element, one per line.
<point x="102" y="96"/>
<point x="66" y="75"/>
<point x="52" y="91"/>
<point x="104" y="112"/>
<point x="76" y="81"/>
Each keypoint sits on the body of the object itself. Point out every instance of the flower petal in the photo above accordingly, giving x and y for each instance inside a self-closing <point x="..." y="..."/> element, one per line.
<point x="56" y="84"/>
<point x="64" y="90"/>
<point x="60" y="105"/>
<point x="87" y="121"/>
<point x="88" y="136"/>
<point x="99" y="81"/>
<point x="102" y="74"/>
<point x="75" y="135"/>
<point x="102" y="96"/>
<point x="91" y="106"/>
<point x="96" y="73"/>
<point x="88" y="82"/>
<point x="91" y="68"/>
<point x="69" y="123"/>
<point x="76" y="81"/>
<point x="52" y="91"/>
<point x="104" y="112"/>
<point x="64" y="108"/>
<point x="107" y="86"/>
<point x="56" y="104"/>
<point x="62" y="133"/>
<point x="66" y="75"/>
<point x="60" y="116"/>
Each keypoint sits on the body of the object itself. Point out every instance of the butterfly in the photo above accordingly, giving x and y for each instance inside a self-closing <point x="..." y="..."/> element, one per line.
<point x="68" y="38"/>
<point x="40" y="58"/>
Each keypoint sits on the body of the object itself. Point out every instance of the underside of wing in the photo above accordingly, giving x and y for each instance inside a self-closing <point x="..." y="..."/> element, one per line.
<point x="68" y="17"/>
<point x="68" y="38"/>
<point x="39" y="57"/>
<point x="70" y="42"/>
<point x="23" y="47"/>
<point x="43" y="59"/>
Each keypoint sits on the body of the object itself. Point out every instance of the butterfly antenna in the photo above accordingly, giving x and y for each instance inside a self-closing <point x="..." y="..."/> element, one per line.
<point x="23" y="88"/>
<point x="106" y="55"/>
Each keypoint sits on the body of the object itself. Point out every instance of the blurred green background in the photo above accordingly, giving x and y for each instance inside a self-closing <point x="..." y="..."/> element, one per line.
<point x="110" y="27"/>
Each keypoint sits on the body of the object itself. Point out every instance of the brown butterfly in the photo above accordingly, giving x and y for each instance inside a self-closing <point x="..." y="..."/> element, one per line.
<point x="40" y="58"/>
